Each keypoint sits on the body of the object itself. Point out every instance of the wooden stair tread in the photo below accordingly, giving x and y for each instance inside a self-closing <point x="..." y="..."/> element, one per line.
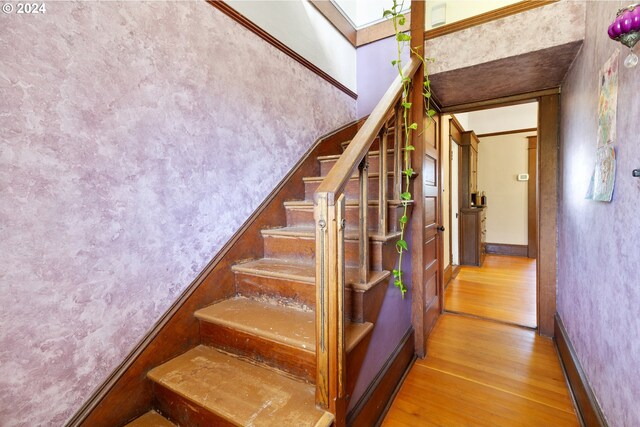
<point x="242" y="393"/>
<point x="337" y="156"/>
<point x="151" y="419"/>
<point x="275" y="322"/>
<point x="283" y="269"/>
<point x="308" y="204"/>
<point x="304" y="231"/>
<point x="354" y="177"/>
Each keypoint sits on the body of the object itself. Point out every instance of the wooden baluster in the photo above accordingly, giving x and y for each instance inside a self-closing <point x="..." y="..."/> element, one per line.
<point x="383" y="183"/>
<point x="363" y="232"/>
<point x="397" y="155"/>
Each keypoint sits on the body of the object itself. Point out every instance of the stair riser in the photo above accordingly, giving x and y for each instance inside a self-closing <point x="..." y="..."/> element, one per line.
<point x="184" y="412"/>
<point x="304" y="293"/>
<point x="296" y="361"/>
<point x="352" y="189"/>
<point x="304" y="217"/>
<point x="303" y="249"/>
<point x="374" y="164"/>
<point x="251" y="285"/>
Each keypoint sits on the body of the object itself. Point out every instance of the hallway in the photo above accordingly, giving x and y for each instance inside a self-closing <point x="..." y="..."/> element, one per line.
<point x="503" y="289"/>
<point x="486" y="372"/>
<point x="483" y="373"/>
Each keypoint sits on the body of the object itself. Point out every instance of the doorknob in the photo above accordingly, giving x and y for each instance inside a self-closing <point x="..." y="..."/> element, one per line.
<point x="441" y="228"/>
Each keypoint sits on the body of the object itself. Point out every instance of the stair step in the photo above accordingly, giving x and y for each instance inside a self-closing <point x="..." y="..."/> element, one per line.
<point x="351" y="189"/>
<point x="327" y="162"/>
<point x="151" y="419"/>
<point x="279" y="336"/>
<point x="294" y="282"/>
<point x="300" y="214"/>
<point x="299" y="244"/>
<point x="205" y="386"/>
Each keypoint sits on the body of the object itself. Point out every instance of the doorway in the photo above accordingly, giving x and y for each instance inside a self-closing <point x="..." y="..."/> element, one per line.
<point x="490" y="153"/>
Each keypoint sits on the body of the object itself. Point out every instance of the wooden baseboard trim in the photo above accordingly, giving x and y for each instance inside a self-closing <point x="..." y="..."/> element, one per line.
<point x="506" y="249"/>
<point x="507" y="132"/>
<point x="483" y="18"/>
<point x="377" y="399"/>
<point x="586" y="404"/>
<point x="245" y="22"/>
<point x="448" y="272"/>
<point x="219" y="261"/>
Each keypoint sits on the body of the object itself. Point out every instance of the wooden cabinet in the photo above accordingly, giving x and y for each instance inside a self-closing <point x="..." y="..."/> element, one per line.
<point x="472" y="235"/>
<point x="468" y="167"/>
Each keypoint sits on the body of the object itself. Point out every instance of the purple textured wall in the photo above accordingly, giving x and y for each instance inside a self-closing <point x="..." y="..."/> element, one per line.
<point x="598" y="257"/>
<point x="136" y="137"/>
<point x="374" y="72"/>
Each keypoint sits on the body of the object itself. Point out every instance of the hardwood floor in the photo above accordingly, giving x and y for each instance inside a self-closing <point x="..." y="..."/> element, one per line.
<point x="483" y="373"/>
<point x="503" y="289"/>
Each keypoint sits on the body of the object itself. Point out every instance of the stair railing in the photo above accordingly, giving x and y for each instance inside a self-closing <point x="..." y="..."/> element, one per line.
<point x="329" y="214"/>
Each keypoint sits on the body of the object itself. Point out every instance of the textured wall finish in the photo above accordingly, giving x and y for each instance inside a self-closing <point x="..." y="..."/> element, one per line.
<point x="540" y="28"/>
<point x="598" y="257"/>
<point x="135" y="138"/>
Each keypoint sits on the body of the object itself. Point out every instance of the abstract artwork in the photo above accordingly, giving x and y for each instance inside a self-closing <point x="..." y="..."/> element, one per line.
<point x="608" y="101"/>
<point x="604" y="175"/>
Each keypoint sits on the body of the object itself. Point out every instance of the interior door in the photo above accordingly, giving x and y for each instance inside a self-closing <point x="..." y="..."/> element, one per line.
<point x="427" y="295"/>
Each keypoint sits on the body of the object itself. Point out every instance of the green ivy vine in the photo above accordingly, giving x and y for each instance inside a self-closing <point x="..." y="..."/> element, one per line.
<point x="403" y="41"/>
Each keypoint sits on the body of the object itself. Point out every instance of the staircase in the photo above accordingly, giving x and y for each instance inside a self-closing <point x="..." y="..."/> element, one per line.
<point x="256" y="361"/>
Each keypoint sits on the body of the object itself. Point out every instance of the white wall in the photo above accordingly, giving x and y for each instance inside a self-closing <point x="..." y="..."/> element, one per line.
<point x="301" y="27"/>
<point x="515" y="117"/>
<point x="461" y="9"/>
<point x="500" y="159"/>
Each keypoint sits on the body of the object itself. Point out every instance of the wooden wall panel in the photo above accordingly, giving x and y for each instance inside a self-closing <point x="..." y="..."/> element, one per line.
<point x="548" y="143"/>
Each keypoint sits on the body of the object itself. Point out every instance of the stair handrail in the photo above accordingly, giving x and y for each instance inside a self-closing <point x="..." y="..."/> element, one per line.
<point x="329" y="216"/>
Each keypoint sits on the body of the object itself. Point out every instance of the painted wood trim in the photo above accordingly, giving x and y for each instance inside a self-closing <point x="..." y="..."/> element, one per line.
<point x="547" y="205"/>
<point x="506" y="249"/>
<point x="336" y="18"/>
<point x="377" y="399"/>
<point x="483" y="18"/>
<point x="500" y="102"/>
<point x="123" y="382"/>
<point x="378" y="31"/>
<point x="587" y="406"/>
<point x="507" y="132"/>
<point x="245" y="22"/>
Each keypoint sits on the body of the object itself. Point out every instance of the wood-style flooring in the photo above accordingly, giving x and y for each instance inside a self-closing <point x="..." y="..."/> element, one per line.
<point x="483" y="373"/>
<point x="503" y="289"/>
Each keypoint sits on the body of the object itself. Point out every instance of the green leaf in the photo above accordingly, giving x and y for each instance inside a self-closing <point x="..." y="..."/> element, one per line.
<point x="398" y="283"/>
<point x="402" y="244"/>
<point x="402" y="21"/>
<point x="386" y="13"/>
<point x="431" y="113"/>
<point x="406" y="80"/>
<point x="403" y="219"/>
<point x="413" y="126"/>
<point x="396" y="273"/>
<point x="405" y="196"/>
<point x="408" y="172"/>
<point x="406" y="105"/>
<point x="394" y="62"/>
<point x="427" y="95"/>
<point x="403" y="37"/>
<point x="410" y="148"/>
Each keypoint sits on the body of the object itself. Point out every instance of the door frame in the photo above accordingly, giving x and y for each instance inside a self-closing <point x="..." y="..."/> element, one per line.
<point x="547" y="169"/>
<point x="455" y="133"/>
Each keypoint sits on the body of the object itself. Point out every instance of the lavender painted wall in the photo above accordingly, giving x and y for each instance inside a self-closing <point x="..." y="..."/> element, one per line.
<point x="136" y="137"/>
<point x="598" y="257"/>
<point x="374" y="72"/>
